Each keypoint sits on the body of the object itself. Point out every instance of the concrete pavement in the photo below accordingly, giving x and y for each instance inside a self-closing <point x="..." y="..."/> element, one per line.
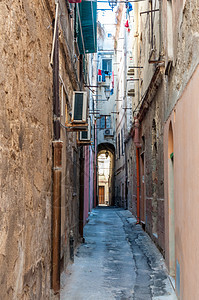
<point x="117" y="261"/>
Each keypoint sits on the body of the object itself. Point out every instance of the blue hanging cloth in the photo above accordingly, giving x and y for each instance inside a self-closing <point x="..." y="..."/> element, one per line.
<point x="103" y="76"/>
<point x="130" y="7"/>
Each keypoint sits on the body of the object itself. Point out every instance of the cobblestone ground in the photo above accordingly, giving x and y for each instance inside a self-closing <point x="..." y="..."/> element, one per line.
<point x="117" y="261"/>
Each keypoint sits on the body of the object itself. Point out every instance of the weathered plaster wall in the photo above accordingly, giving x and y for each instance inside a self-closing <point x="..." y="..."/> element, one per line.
<point x="185" y="48"/>
<point x="184" y="120"/>
<point x="25" y="149"/>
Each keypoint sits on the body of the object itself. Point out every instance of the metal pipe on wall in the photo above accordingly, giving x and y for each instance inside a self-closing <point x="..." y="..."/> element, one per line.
<point x="56" y="215"/>
<point x="81" y="193"/>
<point x="95" y="165"/>
<point x="57" y="164"/>
<point x="138" y="185"/>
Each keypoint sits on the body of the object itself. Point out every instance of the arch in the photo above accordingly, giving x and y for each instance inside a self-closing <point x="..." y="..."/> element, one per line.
<point x="106" y="147"/>
<point x="171" y="202"/>
<point x="105" y="182"/>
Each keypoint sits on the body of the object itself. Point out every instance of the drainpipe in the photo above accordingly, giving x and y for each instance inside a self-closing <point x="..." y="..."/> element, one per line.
<point x="138" y="185"/>
<point x="94" y="169"/>
<point x="137" y="145"/>
<point x="57" y="164"/>
<point x="81" y="193"/>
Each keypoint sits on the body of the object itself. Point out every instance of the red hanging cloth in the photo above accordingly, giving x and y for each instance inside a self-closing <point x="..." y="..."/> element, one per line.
<point x="127" y="24"/>
<point x="113" y="79"/>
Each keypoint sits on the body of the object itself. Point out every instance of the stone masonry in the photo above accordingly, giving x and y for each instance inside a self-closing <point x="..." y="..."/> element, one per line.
<point x="26" y="118"/>
<point x="25" y="149"/>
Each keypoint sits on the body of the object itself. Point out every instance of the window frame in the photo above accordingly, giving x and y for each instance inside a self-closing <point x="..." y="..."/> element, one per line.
<point x="107" y="60"/>
<point x="105" y="121"/>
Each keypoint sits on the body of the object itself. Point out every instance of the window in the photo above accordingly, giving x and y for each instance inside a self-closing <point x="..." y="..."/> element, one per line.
<point x="169" y="30"/>
<point x="119" y="145"/>
<point x="122" y="141"/>
<point x="105" y="122"/>
<point x="107" y="65"/>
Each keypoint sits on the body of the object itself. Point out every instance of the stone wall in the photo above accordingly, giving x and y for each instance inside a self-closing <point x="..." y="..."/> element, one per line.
<point x="152" y="131"/>
<point x="26" y="151"/>
<point x="185" y="48"/>
<point x="70" y="80"/>
<point x="70" y="154"/>
<point x="149" y="110"/>
<point x="26" y="117"/>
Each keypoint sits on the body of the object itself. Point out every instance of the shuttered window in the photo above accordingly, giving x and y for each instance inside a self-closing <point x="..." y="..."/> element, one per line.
<point x="88" y="16"/>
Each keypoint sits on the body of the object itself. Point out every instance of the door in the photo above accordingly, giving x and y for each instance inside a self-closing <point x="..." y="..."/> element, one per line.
<point x="142" y="204"/>
<point x="171" y="203"/>
<point x="101" y="194"/>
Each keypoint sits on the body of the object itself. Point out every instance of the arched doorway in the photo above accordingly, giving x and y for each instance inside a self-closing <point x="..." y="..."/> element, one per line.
<point x="171" y="204"/>
<point x="105" y="174"/>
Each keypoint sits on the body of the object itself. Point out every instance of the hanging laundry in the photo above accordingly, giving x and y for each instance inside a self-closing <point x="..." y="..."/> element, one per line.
<point x="127" y="24"/>
<point x="111" y="88"/>
<point x="130" y="7"/>
<point x="103" y="76"/>
<point x="113" y="79"/>
<point x="99" y="75"/>
<point x="112" y="84"/>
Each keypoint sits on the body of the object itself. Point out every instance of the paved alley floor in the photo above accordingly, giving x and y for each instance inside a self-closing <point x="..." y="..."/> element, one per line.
<point x="117" y="261"/>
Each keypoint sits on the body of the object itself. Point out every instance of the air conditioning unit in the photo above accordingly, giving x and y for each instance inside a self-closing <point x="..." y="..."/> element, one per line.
<point x="131" y="72"/>
<point x="79" y="107"/>
<point x="131" y="92"/>
<point x="131" y="88"/>
<point x="108" y="132"/>
<point x="85" y="136"/>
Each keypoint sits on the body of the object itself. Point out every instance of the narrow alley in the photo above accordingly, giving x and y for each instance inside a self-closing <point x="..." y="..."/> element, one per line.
<point x="117" y="261"/>
<point x="99" y="139"/>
